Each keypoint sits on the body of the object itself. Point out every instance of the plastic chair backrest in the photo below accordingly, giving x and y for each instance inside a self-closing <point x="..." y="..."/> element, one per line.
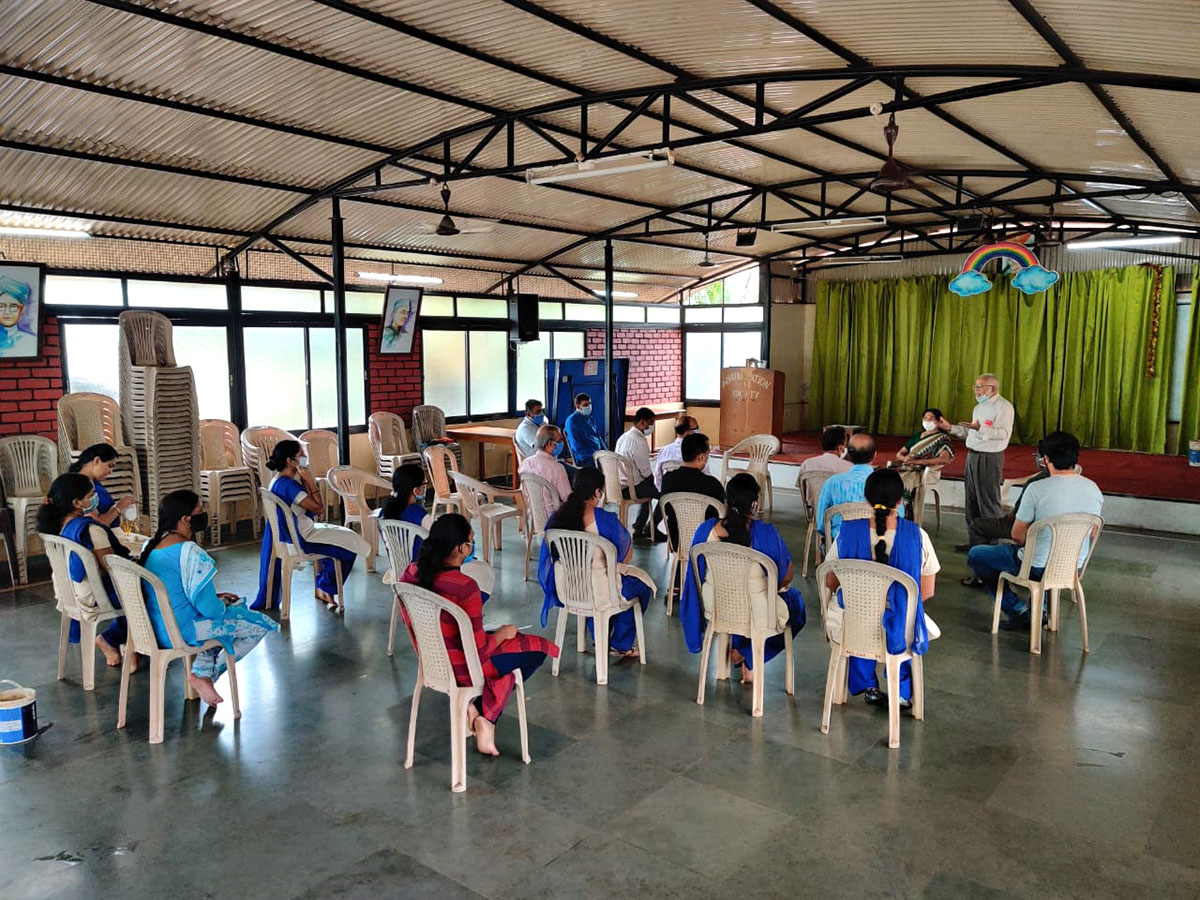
<point x="350" y="483"/>
<point x="425" y="610"/>
<point x="145" y="339"/>
<point x="729" y="569"/>
<point x="609" y="464"/>
<point x="272" y="508"/>
<point x="28" y="463"/>
<point x="398" y="539"/>
<point x="257" y="443"/>
<point x="387" y="435"/>
<point x="689" y="510"/>
<point x="518" y="452"/>
<point x="1067" y="534"/>
<point x="429" y="423"/>
<point x="440" y="462"/>
<point x="59" y="551"/>
<point x="671" y="465"/>
<point x="220" y="445"/>
<point x="572" y="552"/>
<point x="858" y="509"/>
<point x="84" y="419"/>
<point x="136" y="587"/>
<point x="864" y="586"/>
<point x="760" y="447"/>
<point x="470" y="490"/>
<point x="321" y="447"/>
<point x="931" y="475"/>
<point x="809" y="485"/>
<point x="537" y="491"/>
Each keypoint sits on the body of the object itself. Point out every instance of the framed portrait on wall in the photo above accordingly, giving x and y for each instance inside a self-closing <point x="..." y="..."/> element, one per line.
<point x="20" y="310"/>
<point x="401" y="306"/>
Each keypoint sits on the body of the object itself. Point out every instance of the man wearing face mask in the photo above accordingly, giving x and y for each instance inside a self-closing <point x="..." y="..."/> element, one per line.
<point x="633" y="445"/>
<point x="526" y="436"/>
<point x="987" y="436"/>
<point x="582" y="431"/>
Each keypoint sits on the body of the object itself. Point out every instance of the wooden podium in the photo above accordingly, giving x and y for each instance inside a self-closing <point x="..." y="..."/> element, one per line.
<point x="751" y="403"/>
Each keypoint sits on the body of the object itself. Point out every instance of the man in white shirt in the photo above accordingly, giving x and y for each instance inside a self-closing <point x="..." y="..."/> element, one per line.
<point x="833" y="458"/>
<point x="635" y="447"/>
<point x="673" y="452"/>
<point x="987" y="436"/>
<point x="527" y="431"/>
<point x="543" y="464"/>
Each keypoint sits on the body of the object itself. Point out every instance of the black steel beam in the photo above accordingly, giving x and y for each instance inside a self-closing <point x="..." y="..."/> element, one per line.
<point x="316" y="270"/>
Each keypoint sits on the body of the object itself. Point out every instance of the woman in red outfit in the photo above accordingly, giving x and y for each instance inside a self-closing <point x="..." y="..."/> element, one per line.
<point x="501" y="652"/>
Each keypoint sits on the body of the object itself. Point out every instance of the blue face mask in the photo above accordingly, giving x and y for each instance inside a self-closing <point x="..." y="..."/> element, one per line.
<point x="586" y="410"/>
<point x="471" y="555"/>
<point x="93" y="505"/>
<point x="538" y="419"/>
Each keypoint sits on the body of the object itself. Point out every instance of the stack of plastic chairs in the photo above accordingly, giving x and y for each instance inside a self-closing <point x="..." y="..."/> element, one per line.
<point x="429" y="425"/>
<point x="223" y="478"/>
<point x="85" y="419"/>
<point x="158" y="408"/>
<point x="258" y="441"/>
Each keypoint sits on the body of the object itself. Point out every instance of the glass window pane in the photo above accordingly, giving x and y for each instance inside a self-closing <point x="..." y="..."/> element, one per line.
<point x="177" y="295"/>
<point x="482" y="307"/>
<point x="702" y="314"/>
<point x="710" y="294"/>
<point x="203" y="348"/>
<point x="662" y="314"/>
<point x="743" y="314"/>
<point x="741" y="346"/>
<point x="629" y="314"/>
<point x="567" y="345"/>
<point x="742" y="287"/>
<point x="531" y="369"/>
<point x="276" y="393"/>
<point x="444" y="364"/>
<point x="280" y="300"/>
<point x="363" y="303"/>
<point x="583" y="312"/>
<point x="91" y="352"/>
<point x="322" y="377"/>
<point x="356" y="375"/>
<point x="550" y="311"/>
<point x="435" y="306"/>
<point x="702" y="378"/>
<point x="489" y="372"/>
<point x="71" y="290"/>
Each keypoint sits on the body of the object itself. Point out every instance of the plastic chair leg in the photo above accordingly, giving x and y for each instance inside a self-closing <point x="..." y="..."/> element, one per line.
<point x="392" y="626"/>
<point x="231" y="668"/>
<point x="892" y="664"/>
<point x="1079" y="598"/>
<point x="412" y="718"/>
<point x="458" y="743"/>
<point x="87" y="653"/>
<point x="996" y="607"/>
<point x="723" y="666"/>
<point x="641" y="632"/>
<point x="123" y="697"/>
<point x="158" y="684"/>
<point x="1054" y="608"/>
<point x="601" y="642"/>
<point x="705" y="650"/>
<point x="271" y="582"/>
<point x="285" y="588"/>
<point x="560" y="638"/>
<point x="809" y="534"/>
<point x="831" y="685"/>
<point x="917" y="664"/>
<point x="760" y="675"/>
<point x="341" y="587"/>
<point x="1036" y="601"/>
<point x="520" y="683"/>
<point x="188" y="692"/>
<point x="789" y="678"/>
<point x="64" y="634"/>
<point x="581" y="635"/>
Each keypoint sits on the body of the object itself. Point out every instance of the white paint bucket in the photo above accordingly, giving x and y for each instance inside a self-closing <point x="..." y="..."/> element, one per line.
<point x="18" y="714"/>
<point x="1194" y="453"/>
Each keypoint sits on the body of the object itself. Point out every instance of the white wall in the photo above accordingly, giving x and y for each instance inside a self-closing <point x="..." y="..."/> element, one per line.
<point x="792" y="329"/>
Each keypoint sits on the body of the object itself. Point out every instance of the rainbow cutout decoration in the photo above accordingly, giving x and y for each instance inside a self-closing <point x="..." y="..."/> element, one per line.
<point x="1031" y="278"/>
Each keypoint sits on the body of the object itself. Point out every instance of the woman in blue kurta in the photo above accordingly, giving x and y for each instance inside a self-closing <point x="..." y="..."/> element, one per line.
<point x="583" y="510"/>
<point x="97" y="463"/>
<point x="295" y="486"/>
<point x="67" y="512"/>
<point x="904" y="545"/>
<point x="201" y="613"/>
<point x="741" y="527"/>
<point x="407" y="502"/>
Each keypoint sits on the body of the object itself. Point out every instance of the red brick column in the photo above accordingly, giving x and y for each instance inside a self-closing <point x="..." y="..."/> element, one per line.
<point x="30" y="388"/>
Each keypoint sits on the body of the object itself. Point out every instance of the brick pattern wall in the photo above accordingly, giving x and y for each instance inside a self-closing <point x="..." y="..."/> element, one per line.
<point x="655" y="361"/>
<point x="394" y="379"/>
<point x="30" y="388"/>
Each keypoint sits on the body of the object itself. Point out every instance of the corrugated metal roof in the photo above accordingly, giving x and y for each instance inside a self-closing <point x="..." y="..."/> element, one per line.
<point x="1157" y="37"/>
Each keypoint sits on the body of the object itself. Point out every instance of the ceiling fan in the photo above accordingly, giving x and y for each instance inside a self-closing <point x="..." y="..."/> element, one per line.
<point x="892" y="176"/>
<point x="708" y="262"/>
<point x="447" y="227"/>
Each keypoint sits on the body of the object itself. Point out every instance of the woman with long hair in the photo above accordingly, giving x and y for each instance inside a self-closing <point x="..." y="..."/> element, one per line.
<point x="501" y="652"/>
<point x="68" y="512"/>
<point x="583" y="510"/>
<point x="740" y="526"/>
<point x="295" y="485"/>
<point x="201" y="613"/>
<point x="902" y="544"/>
<point x="97" y="463"/>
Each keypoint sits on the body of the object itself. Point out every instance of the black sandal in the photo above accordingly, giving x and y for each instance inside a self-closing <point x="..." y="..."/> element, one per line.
<point x="974" y="581"/>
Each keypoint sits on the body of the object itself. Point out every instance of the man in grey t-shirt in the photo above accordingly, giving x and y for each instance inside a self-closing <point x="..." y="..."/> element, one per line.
<point x="1065" y="491"/>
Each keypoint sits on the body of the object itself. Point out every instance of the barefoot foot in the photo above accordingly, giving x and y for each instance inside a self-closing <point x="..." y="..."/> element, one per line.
<point x="112" y="656"/>
<point x="485" y="736"/>
<point x="204" y="687"/>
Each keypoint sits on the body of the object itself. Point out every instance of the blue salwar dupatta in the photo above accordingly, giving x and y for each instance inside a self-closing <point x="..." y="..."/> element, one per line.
<point x="77" y="530"/>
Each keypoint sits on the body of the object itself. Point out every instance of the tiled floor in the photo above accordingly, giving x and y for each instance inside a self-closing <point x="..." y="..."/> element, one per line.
<point x="1058" y="776"/>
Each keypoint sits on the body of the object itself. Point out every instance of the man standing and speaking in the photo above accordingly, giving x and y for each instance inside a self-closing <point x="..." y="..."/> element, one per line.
<point x="987" y="436"/>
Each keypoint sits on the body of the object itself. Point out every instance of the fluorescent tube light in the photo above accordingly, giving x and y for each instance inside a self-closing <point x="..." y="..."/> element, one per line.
<point x="400" y="278"/>
<point x="815" y="224"/>
<point x="595" y="168"/>
<point x="857" y="260"/>
<point x="23" y="231"/>
<point x="1104" y="243"/>
<point x="625" y="294"/>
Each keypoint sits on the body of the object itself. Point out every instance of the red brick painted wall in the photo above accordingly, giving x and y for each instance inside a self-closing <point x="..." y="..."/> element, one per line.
<point x="655" y="361"/>
<point x="394" y="379"/>
<point x="30" y="388"/>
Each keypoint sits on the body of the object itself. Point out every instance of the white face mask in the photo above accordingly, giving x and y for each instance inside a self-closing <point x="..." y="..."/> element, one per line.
<point x="302" y="462"/>
<point x="648" y="430"/>
<point x="927" y="425"/>
<point x="842" y="454"/>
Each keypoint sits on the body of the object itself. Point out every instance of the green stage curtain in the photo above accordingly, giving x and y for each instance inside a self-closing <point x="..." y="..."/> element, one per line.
<point x="1189" y="419"/>
<point x="1073" y="357"/>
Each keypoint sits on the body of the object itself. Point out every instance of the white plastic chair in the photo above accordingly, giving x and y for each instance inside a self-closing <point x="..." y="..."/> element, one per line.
<point x="435" y="671"/>
<point x="441" y="464"/>
<point x="520" y="454"/>
<point x="1063" y="571"/>
<point x="737" y="608"/>
<point x="809" y="484"/>
<point x="614" y="467"/>
<point x="536" y="491"/>
<point x="321" y="448"/>
<point x="258" y="442"/>
<point x="481" y="501"/>
<point x="290" y="555"/>
<point x="87" y="418"/>
<point x="389" y="444"/>
<point x="858" y="509"/>
<point x="89" y="612"/>
<point x="688" y="510"/>
<point x="351" y="484"/>
<point x="224" y="478"/>
<point x="760" y="447"/>
<point x="572" y="552"/>
<point x="131" y="580"/>
<point x="28" y="464"/>
<point x="864" y="586"/>
<point x="429" y="425"/>
<point x="398" y="540"/>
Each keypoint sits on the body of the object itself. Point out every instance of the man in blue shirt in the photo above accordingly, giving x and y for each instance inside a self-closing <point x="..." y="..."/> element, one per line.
<point x="847" y="487"/>
<point x="583" y="435"/>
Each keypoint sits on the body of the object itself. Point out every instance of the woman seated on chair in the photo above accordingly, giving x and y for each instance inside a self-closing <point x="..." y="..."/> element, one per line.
<point x="407" y="502"/>
<point x="501" y="652"/>
<point x="295" y="486"/>
<point x="201" y="613"/>
<point x="741" y="527"/>
<point x="97" y="463"/>
<point x="929" y="446"/>
<point x="583" y="510"/>
<point x="901" y="544"/>
<point x="67" y="512"/>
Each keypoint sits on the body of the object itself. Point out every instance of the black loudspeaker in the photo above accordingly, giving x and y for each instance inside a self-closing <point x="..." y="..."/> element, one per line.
<point x="523" y="317"/>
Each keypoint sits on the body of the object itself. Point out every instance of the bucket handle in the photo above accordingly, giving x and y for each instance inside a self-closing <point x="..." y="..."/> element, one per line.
<point x="20" y="687"/>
